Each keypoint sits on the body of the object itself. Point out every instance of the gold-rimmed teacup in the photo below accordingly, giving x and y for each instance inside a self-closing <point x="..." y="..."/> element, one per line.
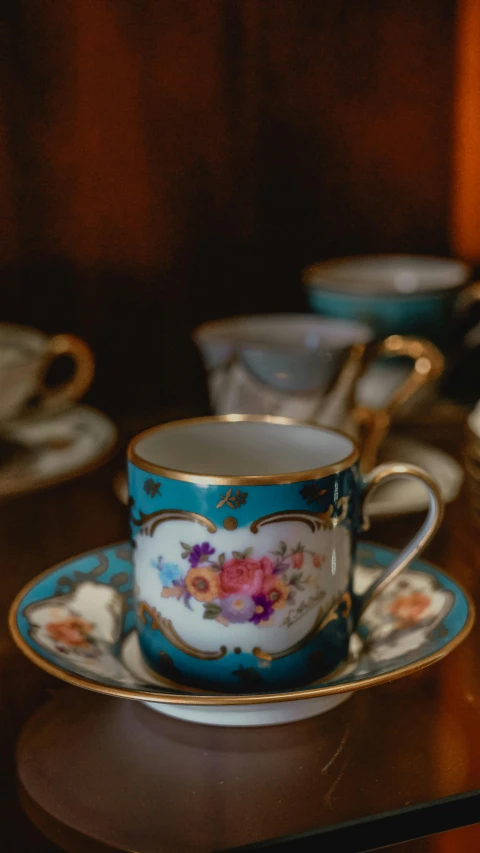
<point x="308" y="368"/>
<point x="26" y="356"/>
<point x="244" y="531"/>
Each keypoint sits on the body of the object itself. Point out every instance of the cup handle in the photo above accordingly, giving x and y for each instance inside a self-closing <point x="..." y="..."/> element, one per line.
<point x="428" y="366"/>
<point x="84" y="367"/>
<point x="380" y="475"/>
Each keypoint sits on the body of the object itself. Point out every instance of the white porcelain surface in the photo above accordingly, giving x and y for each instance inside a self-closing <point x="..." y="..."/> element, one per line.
<point x="381" y="380"/>
<point x="404" y="496"/>
<point x="287" y="364"/>
<point x="251" y="715"/>
<point x="243" y="448"/>
<point x="277" y="333"/>
<point x="326" y="570"/>
<point x="235" y="389"/>
<point x="21" y="352"/>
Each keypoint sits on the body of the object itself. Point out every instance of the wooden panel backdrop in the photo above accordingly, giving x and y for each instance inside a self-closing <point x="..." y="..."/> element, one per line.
<point x="167" y="161"/>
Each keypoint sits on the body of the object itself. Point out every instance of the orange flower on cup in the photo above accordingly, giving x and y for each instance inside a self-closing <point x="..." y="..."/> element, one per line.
<point x="276" y="591"/>
<point x="202" y="583"/>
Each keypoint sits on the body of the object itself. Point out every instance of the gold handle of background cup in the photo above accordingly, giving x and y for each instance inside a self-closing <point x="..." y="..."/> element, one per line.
<point x="428" y="366"/>
<point x="421" y="539"/>
<point x="84" y="368"/>
<point x="468" y="297"/>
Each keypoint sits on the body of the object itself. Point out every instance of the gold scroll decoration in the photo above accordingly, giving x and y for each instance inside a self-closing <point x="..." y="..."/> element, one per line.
<point x="149" y="523"/>
<point x="159" y="623"/>
<point x="314" y="520"/>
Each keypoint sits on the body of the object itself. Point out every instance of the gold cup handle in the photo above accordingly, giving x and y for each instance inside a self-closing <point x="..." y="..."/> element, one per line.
<point x="374" y="423"/>
<point x="75" y="387"/>
<point x="421" y="539"/>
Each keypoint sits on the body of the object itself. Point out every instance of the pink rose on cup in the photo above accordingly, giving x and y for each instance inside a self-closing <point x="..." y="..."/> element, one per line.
<point x="244" y="575"/>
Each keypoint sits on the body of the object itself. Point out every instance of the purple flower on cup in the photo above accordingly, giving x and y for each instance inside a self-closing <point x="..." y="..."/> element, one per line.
<point x="263" y="609"/>
<point x="238" y="607"/>
<point x="200" y="554"/>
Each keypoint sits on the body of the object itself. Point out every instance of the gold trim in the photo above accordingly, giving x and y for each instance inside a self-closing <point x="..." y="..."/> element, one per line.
<point x="165" y="626"/>
<point x="226" y="699"/>
<point x="314" y="520"/>
<point x="249" y="479"/>
<point x="154" y="519"/>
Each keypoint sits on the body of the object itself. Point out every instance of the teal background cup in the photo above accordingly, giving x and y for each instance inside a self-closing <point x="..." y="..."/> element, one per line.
<point x="392" y="294"/>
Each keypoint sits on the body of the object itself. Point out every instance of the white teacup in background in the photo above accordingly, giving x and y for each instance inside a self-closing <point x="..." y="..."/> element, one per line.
<point x="289" y="365"/>
<point x="25" y="357"/>
<point x="308" y="368"/>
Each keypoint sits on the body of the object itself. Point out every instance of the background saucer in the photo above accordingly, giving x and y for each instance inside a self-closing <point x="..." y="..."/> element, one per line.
<point x="51" y="450"/>
<point x="404" y="496"/>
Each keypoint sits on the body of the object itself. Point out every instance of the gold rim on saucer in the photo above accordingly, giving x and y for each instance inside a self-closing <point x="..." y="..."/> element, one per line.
<point x="31" y="486"/>
<point x="221" y="700"/>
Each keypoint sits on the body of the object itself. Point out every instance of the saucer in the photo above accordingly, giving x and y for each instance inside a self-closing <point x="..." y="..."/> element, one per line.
<point x="53" y="449"/>
<point x="77" y="622"/>
<point x="398" y="498"/>
<point x="404" y="496"/>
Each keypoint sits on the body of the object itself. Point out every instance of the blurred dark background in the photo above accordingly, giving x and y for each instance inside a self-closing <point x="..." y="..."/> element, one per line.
<point x="163" y="162"/>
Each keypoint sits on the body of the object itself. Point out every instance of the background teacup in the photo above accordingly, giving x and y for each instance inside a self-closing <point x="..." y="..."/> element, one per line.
<point x="393" y="294"/>
<point x="243" y="533"/>
<point x="26" y="356"/>
<point x="307" y="367"/>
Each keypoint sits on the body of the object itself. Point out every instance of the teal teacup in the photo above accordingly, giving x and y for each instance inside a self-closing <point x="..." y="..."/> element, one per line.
<point x="244" y="532"/>
<point x="393" y="294"/>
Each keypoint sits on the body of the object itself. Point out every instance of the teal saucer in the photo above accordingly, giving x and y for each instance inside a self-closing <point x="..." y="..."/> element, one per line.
<point x="76" y="621"/>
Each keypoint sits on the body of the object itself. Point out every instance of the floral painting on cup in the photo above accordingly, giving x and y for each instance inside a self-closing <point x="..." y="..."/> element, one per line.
<point x="239" y="587"/>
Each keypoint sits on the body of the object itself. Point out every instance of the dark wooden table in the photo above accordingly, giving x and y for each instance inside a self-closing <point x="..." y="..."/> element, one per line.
<point x="406" y="761"/>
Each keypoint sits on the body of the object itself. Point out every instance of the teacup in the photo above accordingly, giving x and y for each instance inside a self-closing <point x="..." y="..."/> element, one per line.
<point x="26" y="355"/>
<point x="305" y="367"/>
<point x="244" y="532"/>
<point x="393" y="294"/>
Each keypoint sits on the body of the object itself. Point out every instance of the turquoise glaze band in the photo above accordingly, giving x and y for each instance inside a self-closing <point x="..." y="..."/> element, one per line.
<point x="428" y="315"/>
